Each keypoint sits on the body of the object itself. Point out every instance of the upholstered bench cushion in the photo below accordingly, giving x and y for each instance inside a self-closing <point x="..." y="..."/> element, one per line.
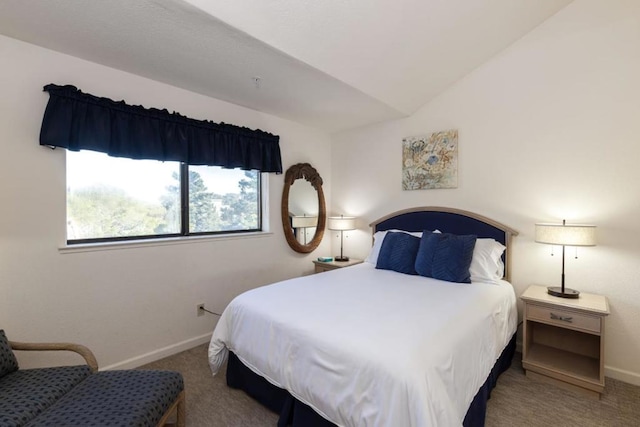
<point x="8" y="362"/>
<point x="116" y="398"/>
<point x="26" y="393"/>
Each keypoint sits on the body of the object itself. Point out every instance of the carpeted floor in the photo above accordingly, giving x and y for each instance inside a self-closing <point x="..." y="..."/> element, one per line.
<point x="516" y="400"/>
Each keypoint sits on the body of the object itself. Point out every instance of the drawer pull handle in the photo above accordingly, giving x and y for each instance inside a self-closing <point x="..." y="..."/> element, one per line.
<point x="567" y="319"/>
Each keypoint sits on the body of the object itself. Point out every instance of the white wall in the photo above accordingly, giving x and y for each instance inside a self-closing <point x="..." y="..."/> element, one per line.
<point x="128" y="305"/>
<point x="549" y="129"/>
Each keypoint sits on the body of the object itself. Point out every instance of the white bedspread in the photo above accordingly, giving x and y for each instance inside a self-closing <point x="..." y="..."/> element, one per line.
<point x="367" y="347"/>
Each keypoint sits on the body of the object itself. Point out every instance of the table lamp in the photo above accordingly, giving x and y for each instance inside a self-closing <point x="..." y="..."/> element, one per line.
<point x="565" y="235"/>
<point x="341" y="223"/>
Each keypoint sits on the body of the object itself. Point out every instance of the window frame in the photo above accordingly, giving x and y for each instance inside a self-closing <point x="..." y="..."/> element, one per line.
<point x="184" y="218"/>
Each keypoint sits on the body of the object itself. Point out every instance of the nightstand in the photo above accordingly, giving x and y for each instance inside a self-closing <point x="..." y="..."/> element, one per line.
<point x="327" y="266"/>
<point x="564" y="339"/>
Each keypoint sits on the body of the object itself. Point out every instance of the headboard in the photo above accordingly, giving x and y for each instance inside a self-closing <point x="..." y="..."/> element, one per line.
<point x="450" y="220"/>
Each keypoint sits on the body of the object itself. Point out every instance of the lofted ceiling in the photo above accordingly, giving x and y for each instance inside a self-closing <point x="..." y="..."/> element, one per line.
<point x="330" y="64"/>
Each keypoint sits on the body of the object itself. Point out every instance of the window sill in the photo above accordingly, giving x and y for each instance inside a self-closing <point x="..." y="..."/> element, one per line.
<point x="132" y="244"/>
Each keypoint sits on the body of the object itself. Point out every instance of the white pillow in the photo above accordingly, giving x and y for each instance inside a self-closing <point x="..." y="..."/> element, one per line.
<point x="378" y="237"/>
<point x="486" y="264"/>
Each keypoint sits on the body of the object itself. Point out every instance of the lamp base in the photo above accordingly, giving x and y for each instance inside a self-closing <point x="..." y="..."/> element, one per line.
<point x="557" y="291"/>
<point x="341" y="258"/>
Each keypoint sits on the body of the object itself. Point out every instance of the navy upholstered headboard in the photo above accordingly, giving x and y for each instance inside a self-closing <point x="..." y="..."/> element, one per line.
<point x="449" y="220"/>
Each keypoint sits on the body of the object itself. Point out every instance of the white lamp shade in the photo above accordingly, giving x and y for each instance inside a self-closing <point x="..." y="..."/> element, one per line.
<point x="566" y="235"/>
<point x="304" y="221"/>
<point x="341" y="223"/>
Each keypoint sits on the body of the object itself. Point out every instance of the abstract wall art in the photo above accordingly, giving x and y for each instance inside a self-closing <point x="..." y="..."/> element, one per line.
<point x="430" y="161"/>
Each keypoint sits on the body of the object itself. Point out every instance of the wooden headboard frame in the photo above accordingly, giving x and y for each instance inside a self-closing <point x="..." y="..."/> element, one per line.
<point x="449" y="220"/>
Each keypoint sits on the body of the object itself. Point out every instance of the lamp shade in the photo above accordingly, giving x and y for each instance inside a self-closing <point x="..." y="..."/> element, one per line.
<point x="566" y="234"/>
<point x="341" y="223"/>
<point x="304" y="221"/>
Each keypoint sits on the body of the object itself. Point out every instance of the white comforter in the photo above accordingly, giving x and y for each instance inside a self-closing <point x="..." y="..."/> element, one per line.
<point x="367" y="347"/>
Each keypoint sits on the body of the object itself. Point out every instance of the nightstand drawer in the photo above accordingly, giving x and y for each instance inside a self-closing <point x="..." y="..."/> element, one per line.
<point x="322" y="266"/>
<point x="569" y="319"/>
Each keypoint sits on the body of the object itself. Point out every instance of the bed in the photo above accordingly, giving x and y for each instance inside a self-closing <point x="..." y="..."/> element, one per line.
<point x="371" y="346"/>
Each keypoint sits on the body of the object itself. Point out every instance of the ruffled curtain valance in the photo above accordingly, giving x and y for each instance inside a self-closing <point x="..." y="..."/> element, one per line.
<point x="80" y="121"/>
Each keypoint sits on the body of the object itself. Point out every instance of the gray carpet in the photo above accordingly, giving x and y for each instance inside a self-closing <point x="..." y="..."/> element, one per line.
<point x="516" y="400"/>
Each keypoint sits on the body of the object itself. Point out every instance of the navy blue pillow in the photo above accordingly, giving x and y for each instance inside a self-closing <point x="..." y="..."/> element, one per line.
<point x="398" y="253"/>
<point x="445" y="256"/>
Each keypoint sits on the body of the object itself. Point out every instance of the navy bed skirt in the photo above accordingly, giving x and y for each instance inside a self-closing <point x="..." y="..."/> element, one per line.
<point x="297" y="414"/>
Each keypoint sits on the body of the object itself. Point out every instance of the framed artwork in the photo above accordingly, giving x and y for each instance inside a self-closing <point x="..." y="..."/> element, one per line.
<point x="430" y="161"/>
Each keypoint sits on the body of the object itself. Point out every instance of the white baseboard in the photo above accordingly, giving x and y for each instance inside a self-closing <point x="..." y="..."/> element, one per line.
<point x="161" y="353"/>
<point x="622" y="375"/>
<point x="134" y="362"/>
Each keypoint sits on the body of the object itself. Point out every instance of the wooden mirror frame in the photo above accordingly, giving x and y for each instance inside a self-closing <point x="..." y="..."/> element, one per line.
<point x="308" y="172"/>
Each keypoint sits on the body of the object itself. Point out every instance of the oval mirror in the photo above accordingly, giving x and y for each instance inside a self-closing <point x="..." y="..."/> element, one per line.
<point x="303" y="209"/>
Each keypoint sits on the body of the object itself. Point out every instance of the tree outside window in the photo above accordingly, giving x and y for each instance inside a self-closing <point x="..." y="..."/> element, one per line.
<point x="114" y="198"/>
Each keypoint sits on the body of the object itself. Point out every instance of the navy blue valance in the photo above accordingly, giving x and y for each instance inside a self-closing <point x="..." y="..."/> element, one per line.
<point x="80" y="121"/>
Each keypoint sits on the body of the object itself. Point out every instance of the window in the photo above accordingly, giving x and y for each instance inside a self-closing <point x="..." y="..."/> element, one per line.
<point x="111" y="198"/>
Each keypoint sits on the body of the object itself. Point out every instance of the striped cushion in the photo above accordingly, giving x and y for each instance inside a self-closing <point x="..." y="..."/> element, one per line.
<point x="446" y="256"/>
<point x="398" y="253"/>
<point x="110" y="398"/>
<point x="28" y="392"/>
